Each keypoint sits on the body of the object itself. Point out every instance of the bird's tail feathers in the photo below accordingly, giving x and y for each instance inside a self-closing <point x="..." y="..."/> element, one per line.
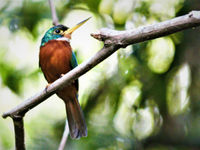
<point x="76" y="121"/>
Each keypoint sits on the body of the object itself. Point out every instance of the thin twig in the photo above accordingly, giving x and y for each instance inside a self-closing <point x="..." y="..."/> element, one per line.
<point x="19" y="133"/>
<point x="64" y="137"/>
<point x="53" y="13"/>
<point x="113" y="41"/>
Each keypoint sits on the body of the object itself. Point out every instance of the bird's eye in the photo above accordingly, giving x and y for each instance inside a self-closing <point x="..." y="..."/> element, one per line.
<point x="57" y="31"/>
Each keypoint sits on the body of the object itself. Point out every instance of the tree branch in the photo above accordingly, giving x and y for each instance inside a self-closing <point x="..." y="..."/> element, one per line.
<point x="53" y="13"/>
<point x="64" y="137"/>
<point x="125" y="38"/>
<point x="113" y="40"/>
<point x="19" y="133"/>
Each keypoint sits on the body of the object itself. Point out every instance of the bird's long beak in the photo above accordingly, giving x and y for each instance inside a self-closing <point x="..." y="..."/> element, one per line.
<point x="71" y="30"/>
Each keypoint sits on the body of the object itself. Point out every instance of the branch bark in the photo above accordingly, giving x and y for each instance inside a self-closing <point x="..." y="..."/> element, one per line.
<point x="19" y="133"/>
<point x="125" y="38"/>
<point x="113" y="40"/>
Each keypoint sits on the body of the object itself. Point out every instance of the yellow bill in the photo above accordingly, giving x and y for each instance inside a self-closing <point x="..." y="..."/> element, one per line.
<point x="70" y="30"/>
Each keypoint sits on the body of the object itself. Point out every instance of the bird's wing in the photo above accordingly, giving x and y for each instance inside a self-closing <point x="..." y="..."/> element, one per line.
<point x="74" y="64"/>
<point x="73" y="61"/>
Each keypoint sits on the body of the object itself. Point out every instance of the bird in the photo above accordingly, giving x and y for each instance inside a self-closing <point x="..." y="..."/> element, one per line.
<point x="56" y="58"/>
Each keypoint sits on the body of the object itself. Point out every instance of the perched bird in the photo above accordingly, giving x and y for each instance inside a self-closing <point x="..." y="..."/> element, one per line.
<point x="55" y="59"/>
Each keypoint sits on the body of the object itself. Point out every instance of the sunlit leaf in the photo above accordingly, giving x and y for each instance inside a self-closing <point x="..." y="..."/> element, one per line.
<point x="131" y="94"/>
<point x="106" y="6"/>
<point x="177" y="90"/>
<point x="120" y="16"/>
<point x="158" y="120"/>
<point x="123" y="119"/>
<point x="130" y="97"/>
<point x="160" y="54"/>
<point x="143" y="123"/>
<point x="147" y="121"/>
<point x="165" y="9"/>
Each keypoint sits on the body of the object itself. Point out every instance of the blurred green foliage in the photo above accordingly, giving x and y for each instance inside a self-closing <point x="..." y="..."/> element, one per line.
<point x="143" y="97"/>
<point x="11" y="77"/>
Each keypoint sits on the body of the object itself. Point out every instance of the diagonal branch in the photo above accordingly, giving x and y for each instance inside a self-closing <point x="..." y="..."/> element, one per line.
<point x="125" y="38"/>
<point x="113" y="40"/>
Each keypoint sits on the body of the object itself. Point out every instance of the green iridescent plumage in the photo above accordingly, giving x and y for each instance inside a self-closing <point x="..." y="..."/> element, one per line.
<point x="57" y="58"/>
<point x="50" y="35"/>
<point x="73" y="61"/>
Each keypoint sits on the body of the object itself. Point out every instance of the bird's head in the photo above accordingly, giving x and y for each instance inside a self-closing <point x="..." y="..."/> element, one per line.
<point x="60" y="32"/>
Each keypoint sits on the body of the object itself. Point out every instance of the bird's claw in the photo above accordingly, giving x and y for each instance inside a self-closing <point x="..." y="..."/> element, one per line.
<point x="47" y="86"/>
<point x="63" y="75"/>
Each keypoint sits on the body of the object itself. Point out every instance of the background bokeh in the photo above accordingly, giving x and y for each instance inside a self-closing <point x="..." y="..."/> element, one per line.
<point x="146" y="96"/>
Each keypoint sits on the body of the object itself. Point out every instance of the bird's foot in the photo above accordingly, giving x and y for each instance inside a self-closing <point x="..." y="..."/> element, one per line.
<point x="47" y="86"/>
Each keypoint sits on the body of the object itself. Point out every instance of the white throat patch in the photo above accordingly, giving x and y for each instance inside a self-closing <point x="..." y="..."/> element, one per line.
<point x="63" y="39"/>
